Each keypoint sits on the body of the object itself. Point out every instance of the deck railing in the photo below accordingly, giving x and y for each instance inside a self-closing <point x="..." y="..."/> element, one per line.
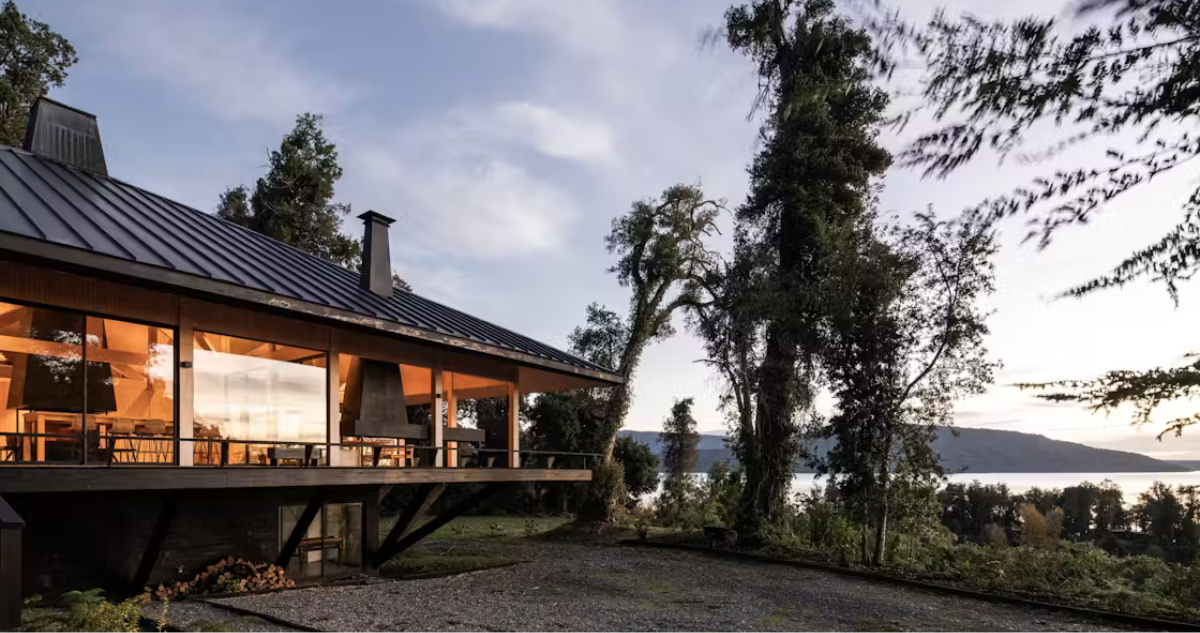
<point x="150" y="451"/>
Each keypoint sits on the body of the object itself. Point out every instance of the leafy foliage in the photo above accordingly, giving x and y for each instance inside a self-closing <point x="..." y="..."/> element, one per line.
<point x="678" y="440"/>
<point x="1124" y="73"/>
<point x="905" y="342"/>
<point x="293" y="203"/>
<point x="641" y="468"/>
<point x="1145" y="390"/>
<point x="809" y="184"/>
<point x="823" y="526"/>
<point x="85" y="611"/>
<point x="660" y="246"/>
<point x="33" y="59"/>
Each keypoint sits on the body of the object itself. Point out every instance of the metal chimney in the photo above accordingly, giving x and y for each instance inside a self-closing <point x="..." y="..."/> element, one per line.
<point x="376" y="271"/>
<point x="60" y="132"/>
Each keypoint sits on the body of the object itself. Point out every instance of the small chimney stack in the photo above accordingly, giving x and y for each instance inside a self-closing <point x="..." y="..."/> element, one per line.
<point x="62" y="133"/>
<point x="376" y="271"/>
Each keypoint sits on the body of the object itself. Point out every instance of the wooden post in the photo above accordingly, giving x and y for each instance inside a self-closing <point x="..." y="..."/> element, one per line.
<point x="11" y="526"/>
<point x="333" y="427"/>
<point x="184" y="340"/>
<point x="437" y="405"/>
<point x="451" y="420"/>
<point x="514" y="426"/>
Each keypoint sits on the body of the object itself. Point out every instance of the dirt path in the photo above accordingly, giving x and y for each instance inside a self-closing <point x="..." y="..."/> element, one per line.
<point x="578" y="588"/>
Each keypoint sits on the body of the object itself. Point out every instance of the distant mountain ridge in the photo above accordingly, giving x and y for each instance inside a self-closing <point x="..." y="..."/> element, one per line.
<point x="980" y="451"/>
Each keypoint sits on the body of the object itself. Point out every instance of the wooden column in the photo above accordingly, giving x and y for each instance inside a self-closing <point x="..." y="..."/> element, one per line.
<point x="514" y="425"/>
<point x="437" y="404"/>
<point x="187" y="386"/>
<point x="451" y="420"/>
<point x="333" y="428"/>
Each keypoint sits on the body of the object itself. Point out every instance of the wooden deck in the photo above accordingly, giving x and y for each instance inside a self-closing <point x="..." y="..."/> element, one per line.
<point x="26" y="479"/>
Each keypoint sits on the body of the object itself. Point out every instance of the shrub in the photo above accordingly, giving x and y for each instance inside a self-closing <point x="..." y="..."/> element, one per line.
<point x="995" y="535"/>
<point x="89" y="611"/>
<point x="1033" y="527"/>
<point x="1054" y="524"/>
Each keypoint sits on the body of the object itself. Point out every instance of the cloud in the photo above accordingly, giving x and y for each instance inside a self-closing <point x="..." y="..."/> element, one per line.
<point x="234" y="68"/>
<point x="588" y="27"/>
<point x="464" y="200"/>
<point x="551" y="132"/>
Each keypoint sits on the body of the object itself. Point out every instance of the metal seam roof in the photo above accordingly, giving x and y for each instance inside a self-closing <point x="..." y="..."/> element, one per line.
<point x="57" y="203"/>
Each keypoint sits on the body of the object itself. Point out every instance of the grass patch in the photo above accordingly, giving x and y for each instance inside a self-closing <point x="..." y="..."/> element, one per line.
<point x="431" y="561"/>
<point x="484" y="527"/>
<point x="777" y="619"/>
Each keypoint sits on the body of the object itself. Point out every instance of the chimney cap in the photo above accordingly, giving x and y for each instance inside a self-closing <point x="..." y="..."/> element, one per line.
<point x="371" y="216"/>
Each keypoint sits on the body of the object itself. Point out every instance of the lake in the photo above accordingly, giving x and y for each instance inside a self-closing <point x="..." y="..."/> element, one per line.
<point x="1132" y="484"/>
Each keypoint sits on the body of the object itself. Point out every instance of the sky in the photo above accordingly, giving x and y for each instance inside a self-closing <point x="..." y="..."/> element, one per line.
<point x="504" y="136"/>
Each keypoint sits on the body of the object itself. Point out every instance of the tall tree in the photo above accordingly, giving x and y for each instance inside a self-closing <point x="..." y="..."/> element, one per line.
<point x="33" y="59"/>
<point x="660" y="248"/>
<point x="810" y="180"/>
<point x="728" y="325"/>
<point x="293" y="202"/>
<point x="1122" y="76"/>
<point x="906" y="341"/>
<point x="678" y="441"/>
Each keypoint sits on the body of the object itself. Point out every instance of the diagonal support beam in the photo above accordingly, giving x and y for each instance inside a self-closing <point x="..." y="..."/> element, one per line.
<point x="422" y="500"/>
<point x="166" y="516"/>
<point x="302" y="524"/>
<point x="466" y="505"/>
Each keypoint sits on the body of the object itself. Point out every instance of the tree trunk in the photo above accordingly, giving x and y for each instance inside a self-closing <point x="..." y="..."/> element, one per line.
<point x="600" y="505"/>
<point x="769" y="475"/>
<point x="881" y="521"/>
<point x="863" y="555"/>
<point x="884" y="485"/>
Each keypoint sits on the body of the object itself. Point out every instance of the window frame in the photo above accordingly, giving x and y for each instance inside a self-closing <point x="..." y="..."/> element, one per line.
<point x="84" y="314"/>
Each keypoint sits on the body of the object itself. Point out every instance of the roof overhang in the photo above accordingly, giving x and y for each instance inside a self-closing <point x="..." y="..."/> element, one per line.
<point x="86" y="261"/>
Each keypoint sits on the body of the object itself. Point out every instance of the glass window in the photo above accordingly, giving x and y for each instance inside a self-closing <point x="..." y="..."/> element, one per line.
<point x="131" y="391"/>
<point x="307" y="559"/>
<point x="253" y="390"/>
<point x="343" y="537"/>
<point x="130" y="387"/>
<point x="41" y="384"/>
<point x="331" y="545"/>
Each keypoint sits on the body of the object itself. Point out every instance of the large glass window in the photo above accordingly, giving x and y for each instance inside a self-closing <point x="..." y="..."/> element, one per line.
<point x="41" y="384"/>
<point x="254" y="390"/>
<point x="129" y="396"/>
<point x="131" y="391"/>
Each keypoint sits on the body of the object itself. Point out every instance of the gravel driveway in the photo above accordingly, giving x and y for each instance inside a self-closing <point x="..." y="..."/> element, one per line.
<point x="578" y="588"/>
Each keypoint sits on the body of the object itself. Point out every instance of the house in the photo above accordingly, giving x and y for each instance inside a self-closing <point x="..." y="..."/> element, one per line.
<point x="175" y="388"/>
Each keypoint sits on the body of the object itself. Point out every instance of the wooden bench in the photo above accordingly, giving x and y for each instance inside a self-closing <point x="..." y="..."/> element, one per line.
<point x="319" y="544"/>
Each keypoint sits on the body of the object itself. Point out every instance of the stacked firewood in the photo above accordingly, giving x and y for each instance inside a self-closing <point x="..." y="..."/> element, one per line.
<point x="229" y="575"/>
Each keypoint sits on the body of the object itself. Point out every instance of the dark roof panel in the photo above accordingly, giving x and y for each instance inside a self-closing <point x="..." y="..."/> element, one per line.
<point x="46" y="200"/>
